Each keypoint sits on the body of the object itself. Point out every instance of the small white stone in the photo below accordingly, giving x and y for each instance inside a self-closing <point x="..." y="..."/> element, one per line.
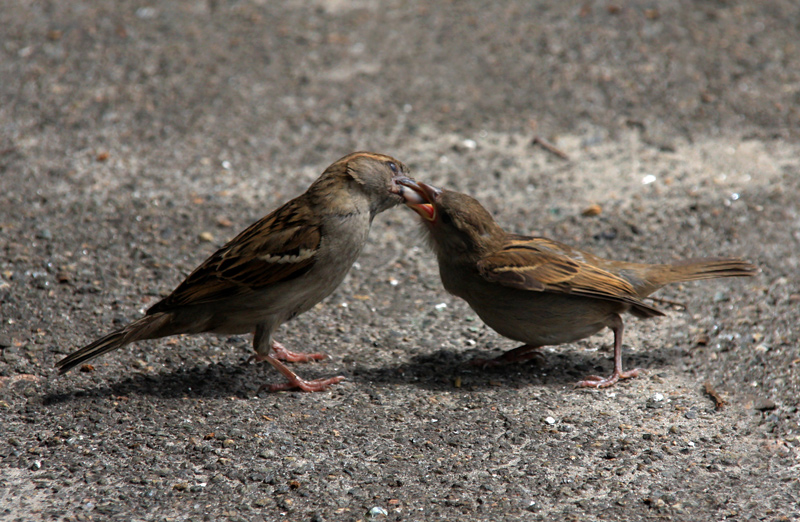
<point x="648" y="179"/>
<point x="440" y="306"/>
<point x="550" y="420"/>
<point x="377" y="511"/>
<point x="145" y="13"/>
<point x="658" y="397"/>
<point x="469" y="144"/>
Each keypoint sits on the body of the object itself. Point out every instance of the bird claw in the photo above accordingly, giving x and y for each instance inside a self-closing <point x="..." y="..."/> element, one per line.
<point x="282" y="354"/>
<point x="256" y="357"/>
<point x="595" y="381"/>
<point x="279" y="353"/>
<point x="306" y="386"/>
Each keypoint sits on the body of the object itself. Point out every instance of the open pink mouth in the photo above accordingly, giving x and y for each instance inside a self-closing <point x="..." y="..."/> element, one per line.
<point x="420" y="198"/>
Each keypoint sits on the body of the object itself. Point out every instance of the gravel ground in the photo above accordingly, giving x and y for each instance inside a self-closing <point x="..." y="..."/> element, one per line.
<point x="137" y="137"/>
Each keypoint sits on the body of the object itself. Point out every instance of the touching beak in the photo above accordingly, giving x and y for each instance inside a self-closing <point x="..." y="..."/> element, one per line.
<point x="420" y="197"/>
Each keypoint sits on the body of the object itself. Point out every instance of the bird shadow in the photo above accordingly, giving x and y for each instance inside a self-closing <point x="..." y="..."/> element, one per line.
<point x="444" y="369"/>
<point x="210" y="381"/>
<point x="438" y="371"/>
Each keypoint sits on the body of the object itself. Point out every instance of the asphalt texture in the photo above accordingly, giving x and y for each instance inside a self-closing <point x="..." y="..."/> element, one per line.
<point x="137" y="137"/>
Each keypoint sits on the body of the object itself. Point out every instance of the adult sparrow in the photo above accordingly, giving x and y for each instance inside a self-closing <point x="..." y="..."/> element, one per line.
<point x="539" y="291"/>
<point x="274" y="270"/>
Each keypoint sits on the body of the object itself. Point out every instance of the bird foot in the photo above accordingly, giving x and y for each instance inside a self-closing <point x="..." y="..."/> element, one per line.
<point x="595" y="381"/>
<point x="280" y="353"/>
<point x="306" y="386"/>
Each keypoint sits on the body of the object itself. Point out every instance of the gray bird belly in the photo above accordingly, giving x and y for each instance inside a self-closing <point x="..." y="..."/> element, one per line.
<point x="541" y="319"/>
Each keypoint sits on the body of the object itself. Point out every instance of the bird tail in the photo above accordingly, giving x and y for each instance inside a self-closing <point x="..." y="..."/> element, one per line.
<point x="693" y="270"/>
<point x="148" y="327"/>
<point x="709" y="268"/>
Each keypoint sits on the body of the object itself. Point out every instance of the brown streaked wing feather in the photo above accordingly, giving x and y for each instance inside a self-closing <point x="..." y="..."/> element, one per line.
<point x="527" y="269"/>
<point x="542" y="266"/>
<point x="252" y="260"/>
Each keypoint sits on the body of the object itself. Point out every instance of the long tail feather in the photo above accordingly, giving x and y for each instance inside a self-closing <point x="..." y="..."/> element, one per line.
<point x="709" y="268"/>
<point x="690" y="270"/>
<point x="148" y="327"/>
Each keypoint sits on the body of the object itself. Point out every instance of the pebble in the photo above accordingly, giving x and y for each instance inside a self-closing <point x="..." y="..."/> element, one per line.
<point x="764" y="404"/>
<point x="145" y="13"/>
<point x="592" y="210"/>
<point x="377" y="511"/>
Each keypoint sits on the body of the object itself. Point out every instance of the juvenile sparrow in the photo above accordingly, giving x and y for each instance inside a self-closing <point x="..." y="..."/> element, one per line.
<point x="539" y="291"/>
<point x="274" y="270"/>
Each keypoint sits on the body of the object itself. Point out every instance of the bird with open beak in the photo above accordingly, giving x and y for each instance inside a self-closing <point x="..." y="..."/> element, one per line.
<point x="538" y="291"/>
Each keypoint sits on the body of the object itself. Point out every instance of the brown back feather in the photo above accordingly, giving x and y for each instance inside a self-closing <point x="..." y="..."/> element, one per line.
<point x="529" y="265"/>
<point x="252" y="260"/>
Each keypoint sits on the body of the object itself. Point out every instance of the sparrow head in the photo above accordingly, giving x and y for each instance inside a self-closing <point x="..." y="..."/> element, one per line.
<point x="457" y="223"/>
<point x="363" y="177"/>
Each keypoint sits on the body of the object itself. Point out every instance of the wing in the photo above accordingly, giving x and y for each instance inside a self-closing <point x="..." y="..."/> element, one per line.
<point x="541" y="265"/>
<point x="279" y="247"/>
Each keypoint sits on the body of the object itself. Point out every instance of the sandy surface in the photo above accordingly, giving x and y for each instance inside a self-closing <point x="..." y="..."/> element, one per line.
<point x="135" y="138"/>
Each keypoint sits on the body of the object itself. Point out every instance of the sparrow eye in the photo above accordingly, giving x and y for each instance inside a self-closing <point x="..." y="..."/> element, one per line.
<point x="445" y="217"/>
<point x="393" y="166"/>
